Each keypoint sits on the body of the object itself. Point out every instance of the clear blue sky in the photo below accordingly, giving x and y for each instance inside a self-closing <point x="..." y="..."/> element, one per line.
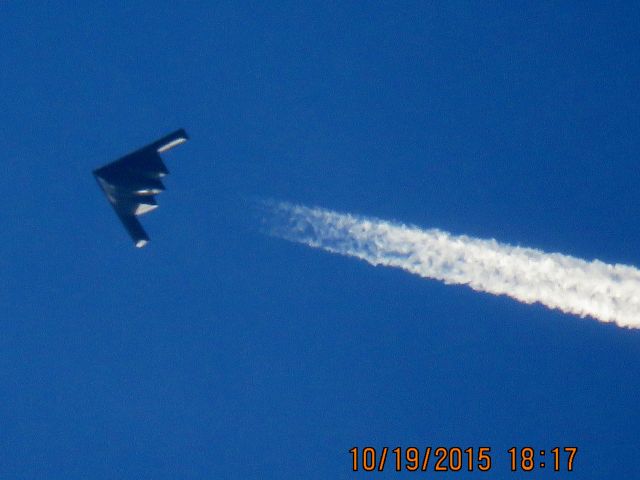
<point x="217" y="352"/>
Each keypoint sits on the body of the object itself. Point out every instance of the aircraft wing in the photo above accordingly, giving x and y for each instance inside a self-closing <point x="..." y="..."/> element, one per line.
<point x="134" y="227"/>
<point x="131" y="182"/>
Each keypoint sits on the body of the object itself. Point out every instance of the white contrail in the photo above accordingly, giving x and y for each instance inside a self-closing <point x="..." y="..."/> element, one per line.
<point x="610" y="293"/>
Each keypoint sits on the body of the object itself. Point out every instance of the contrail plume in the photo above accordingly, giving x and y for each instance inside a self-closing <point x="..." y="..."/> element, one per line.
<point x="609" y="293"/>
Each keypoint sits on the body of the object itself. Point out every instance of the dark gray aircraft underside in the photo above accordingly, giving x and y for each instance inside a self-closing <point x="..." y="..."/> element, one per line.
<point x="131" y="183"/>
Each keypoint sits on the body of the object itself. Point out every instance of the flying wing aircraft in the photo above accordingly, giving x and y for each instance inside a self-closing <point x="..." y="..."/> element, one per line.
<point x="131" y="182"/>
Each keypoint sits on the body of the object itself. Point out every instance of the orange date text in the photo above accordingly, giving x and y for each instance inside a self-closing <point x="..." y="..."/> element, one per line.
<point x="411" y="459"/>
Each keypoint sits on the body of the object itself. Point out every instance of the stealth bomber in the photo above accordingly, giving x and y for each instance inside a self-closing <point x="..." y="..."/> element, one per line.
<point x="131" y="183"/>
